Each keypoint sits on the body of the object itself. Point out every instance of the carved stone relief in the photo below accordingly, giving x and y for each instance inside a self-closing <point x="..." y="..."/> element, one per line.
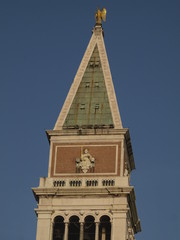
<point x="85" y="162"/>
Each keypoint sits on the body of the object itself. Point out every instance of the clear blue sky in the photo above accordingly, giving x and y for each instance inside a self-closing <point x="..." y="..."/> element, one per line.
<point x="41" y="46"/>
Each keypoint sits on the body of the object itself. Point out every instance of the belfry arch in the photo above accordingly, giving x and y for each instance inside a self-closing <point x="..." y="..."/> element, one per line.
<point x="89" y="228"/>
<point x="105" y="228"/>
<point x="74" y="228"/>
<point x="58" y="228"/>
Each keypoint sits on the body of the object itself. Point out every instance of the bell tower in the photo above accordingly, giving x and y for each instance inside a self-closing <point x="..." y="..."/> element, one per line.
<point x="87" y="194"/>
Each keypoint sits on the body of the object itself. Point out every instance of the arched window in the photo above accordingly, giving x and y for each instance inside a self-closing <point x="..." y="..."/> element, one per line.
<point x="74" y="228"/>
<point x="58" y="228"/>
<point x="105" y="228"/>
<point x="89" y="228"/>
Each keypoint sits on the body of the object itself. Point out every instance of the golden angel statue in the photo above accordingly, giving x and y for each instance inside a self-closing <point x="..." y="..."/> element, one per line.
<point x="100" y="15"/>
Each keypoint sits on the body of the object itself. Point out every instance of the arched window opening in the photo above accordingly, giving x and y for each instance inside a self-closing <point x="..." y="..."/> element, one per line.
<point x="74" y="228"/>
<point x="105" y="228"/>
<point x="58" y="228"/>
<point x="89" y="228"/>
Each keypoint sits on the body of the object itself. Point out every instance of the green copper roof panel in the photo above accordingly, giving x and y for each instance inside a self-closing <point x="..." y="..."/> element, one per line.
<point x="90" y="105"/>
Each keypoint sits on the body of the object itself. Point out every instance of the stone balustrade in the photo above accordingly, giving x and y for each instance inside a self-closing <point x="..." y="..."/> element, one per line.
<point x="84" y="182"/>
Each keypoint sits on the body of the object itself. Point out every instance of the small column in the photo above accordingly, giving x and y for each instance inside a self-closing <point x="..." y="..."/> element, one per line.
<point x="103" y="233"/>
<point x="66" y="231"/>
<point x="97" y="231"/>
<point x="81" y="230"/>
<point x="51" y="230"/>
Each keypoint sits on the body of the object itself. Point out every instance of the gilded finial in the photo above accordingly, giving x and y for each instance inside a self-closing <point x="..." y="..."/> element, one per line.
<point x="100" y="15"/>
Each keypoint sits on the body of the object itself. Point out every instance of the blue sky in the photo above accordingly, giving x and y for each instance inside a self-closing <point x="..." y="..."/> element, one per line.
<point x="41" y="46"/>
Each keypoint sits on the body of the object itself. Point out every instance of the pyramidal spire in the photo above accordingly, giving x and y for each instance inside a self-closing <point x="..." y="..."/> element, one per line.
<point x="91" y="101"/>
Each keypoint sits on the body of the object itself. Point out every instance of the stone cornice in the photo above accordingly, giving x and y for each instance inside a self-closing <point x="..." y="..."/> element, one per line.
<point x="108" y="191"/>
<point x="82" y="132"/>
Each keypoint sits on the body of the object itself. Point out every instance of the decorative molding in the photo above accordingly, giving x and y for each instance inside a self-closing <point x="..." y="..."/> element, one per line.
<point x="55" y="174"/>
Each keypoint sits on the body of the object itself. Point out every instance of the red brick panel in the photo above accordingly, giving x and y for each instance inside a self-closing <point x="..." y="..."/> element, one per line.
<point x="105" y="158"/>
<point x="64" y="158"/>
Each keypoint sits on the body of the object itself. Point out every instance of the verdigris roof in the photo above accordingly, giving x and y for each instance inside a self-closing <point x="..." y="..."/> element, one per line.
<point x="90" y="106"/>
<point x="91" y="101"/>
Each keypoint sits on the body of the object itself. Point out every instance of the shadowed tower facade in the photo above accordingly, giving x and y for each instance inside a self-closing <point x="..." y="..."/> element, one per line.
<point x="87" y="194"/>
